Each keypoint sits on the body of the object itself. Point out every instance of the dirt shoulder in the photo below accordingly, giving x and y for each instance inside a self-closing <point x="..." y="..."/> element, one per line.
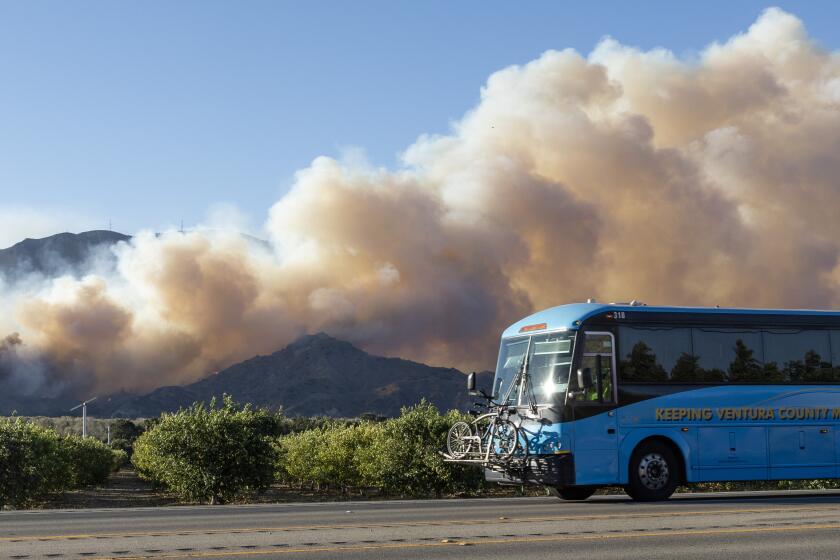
<point x="123" y="489"/>
<point x="126" y="489"/>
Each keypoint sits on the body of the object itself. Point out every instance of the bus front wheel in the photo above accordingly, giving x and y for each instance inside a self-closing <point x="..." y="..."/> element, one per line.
<point x="654" y="472"/>
<point x="574" y="493"/>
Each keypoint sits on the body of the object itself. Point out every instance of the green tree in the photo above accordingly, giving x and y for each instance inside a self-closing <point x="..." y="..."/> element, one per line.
<point x="121" y="459"/>
<point x="295" y="458"/>
<point x="794" y="371"/>
<point x="124" y="433"/>
<point x="32" y="463"/>
<point x="403" y="457"/>
<point x="126" y="429"/>
<point x="210" y="454"/>
<point x="337" y="454"/>
<point x="328" y="456"/>
<point x="641" y="365"/>
<point x="303" y="423"/>
<point x="772" y="372"/>
<point x="816" y="369"/>
<point x="745" y="367"/>
<point x="90" y="461"/>
<point x="687" y="368"/>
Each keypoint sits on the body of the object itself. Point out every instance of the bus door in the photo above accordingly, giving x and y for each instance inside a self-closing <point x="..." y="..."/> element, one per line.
<point x="594" y="412"/>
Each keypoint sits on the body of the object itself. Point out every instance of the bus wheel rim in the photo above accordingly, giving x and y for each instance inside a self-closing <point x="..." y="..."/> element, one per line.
<point x="653" y="471"/>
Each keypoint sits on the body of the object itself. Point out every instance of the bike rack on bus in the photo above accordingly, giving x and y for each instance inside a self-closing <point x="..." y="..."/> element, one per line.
<point x="487" y="458"/>
<point x="484" y="454"/>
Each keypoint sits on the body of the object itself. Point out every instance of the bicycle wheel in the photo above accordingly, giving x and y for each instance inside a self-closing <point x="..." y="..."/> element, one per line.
<point x="506" y="439"/>
<point x="456" y="440"/>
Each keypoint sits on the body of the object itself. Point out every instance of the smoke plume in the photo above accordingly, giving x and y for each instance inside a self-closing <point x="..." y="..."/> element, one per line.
<point x="624" y="174"/>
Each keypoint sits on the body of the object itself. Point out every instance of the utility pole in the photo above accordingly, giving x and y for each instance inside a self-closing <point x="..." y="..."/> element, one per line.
<point x="84" y="414"/>
<point x="109" y="434"/>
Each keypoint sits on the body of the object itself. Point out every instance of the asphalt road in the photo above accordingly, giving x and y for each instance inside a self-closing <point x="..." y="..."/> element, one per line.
<point x="788" y="525"/>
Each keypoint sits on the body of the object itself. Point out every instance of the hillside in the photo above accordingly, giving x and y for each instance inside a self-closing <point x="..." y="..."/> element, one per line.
<point x="316" y="375"/>
<point x="58" y="254"/>
<point x="32" y="405"/>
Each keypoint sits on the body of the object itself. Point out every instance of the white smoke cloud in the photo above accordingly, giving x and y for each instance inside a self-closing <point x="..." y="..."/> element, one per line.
<point x="227" y="216"/>
<point x="625" y="174"/>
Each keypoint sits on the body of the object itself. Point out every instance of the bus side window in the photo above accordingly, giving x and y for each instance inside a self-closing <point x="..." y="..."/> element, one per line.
<point x="597" y="356"/>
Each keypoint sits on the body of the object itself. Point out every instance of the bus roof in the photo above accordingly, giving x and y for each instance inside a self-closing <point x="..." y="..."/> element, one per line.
<point x="570" y="316"/>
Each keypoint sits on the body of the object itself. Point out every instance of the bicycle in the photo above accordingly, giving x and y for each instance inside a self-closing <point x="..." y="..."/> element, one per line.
<point x="493" y="431"/>
<point x="489" y="433"/>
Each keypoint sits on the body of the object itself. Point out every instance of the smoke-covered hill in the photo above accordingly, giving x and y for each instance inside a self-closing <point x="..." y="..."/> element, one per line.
<point x="63" y="253"/>
<point x="315" y="375"/>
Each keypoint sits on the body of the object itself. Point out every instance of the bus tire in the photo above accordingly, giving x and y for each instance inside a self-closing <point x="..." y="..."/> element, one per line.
<point x="653" y="472"/>
<point x="572" y="493"/>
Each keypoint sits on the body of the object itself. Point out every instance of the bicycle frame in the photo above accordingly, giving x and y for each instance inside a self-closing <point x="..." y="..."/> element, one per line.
<point x="484" y="435"/>
<point x="482" y="445"/>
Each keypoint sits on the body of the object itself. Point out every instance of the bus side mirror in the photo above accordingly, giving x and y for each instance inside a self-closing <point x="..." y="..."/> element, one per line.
<point x="471" y="384"/>
<point x="584" y="378"/>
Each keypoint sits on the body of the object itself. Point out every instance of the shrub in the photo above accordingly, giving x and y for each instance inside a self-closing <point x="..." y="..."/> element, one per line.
<point x="366" y="436"/>
<point x="124" y="433"/>
<point x="295" y="458"/>
<point x="337" y="455"/>
<point x="121" y="459"/>
<point x="32" y="463"/>
<point x="125" y="429"/>
<point x="90" y="461"/>
<point x="400" y="456"/>
<point x="326" y="457"/>
<point x="298" y="424"/>
<point x="404" y="458"/>
<point x="209" y="454"/>
<point x="122" y="445"/>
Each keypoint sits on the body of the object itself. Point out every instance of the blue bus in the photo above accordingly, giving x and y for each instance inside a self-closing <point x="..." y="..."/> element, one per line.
<point x="648" y="398"/>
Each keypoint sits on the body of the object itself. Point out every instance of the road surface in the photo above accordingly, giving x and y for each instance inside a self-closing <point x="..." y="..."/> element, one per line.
<point x="786" y="525"/>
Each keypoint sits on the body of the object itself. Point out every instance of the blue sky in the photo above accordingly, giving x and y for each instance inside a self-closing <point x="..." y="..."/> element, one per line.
<point x="146" y="113"/>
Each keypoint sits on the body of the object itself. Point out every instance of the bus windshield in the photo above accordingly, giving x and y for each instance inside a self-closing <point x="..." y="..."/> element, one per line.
<point x="549" y="363"/>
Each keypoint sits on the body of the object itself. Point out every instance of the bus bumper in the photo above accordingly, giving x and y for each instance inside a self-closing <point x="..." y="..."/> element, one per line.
<point x="547" y="470"/>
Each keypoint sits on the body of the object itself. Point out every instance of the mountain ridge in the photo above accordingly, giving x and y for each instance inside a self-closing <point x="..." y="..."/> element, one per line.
<point x="57" y="254"/>
<point x="314" y="375"/>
